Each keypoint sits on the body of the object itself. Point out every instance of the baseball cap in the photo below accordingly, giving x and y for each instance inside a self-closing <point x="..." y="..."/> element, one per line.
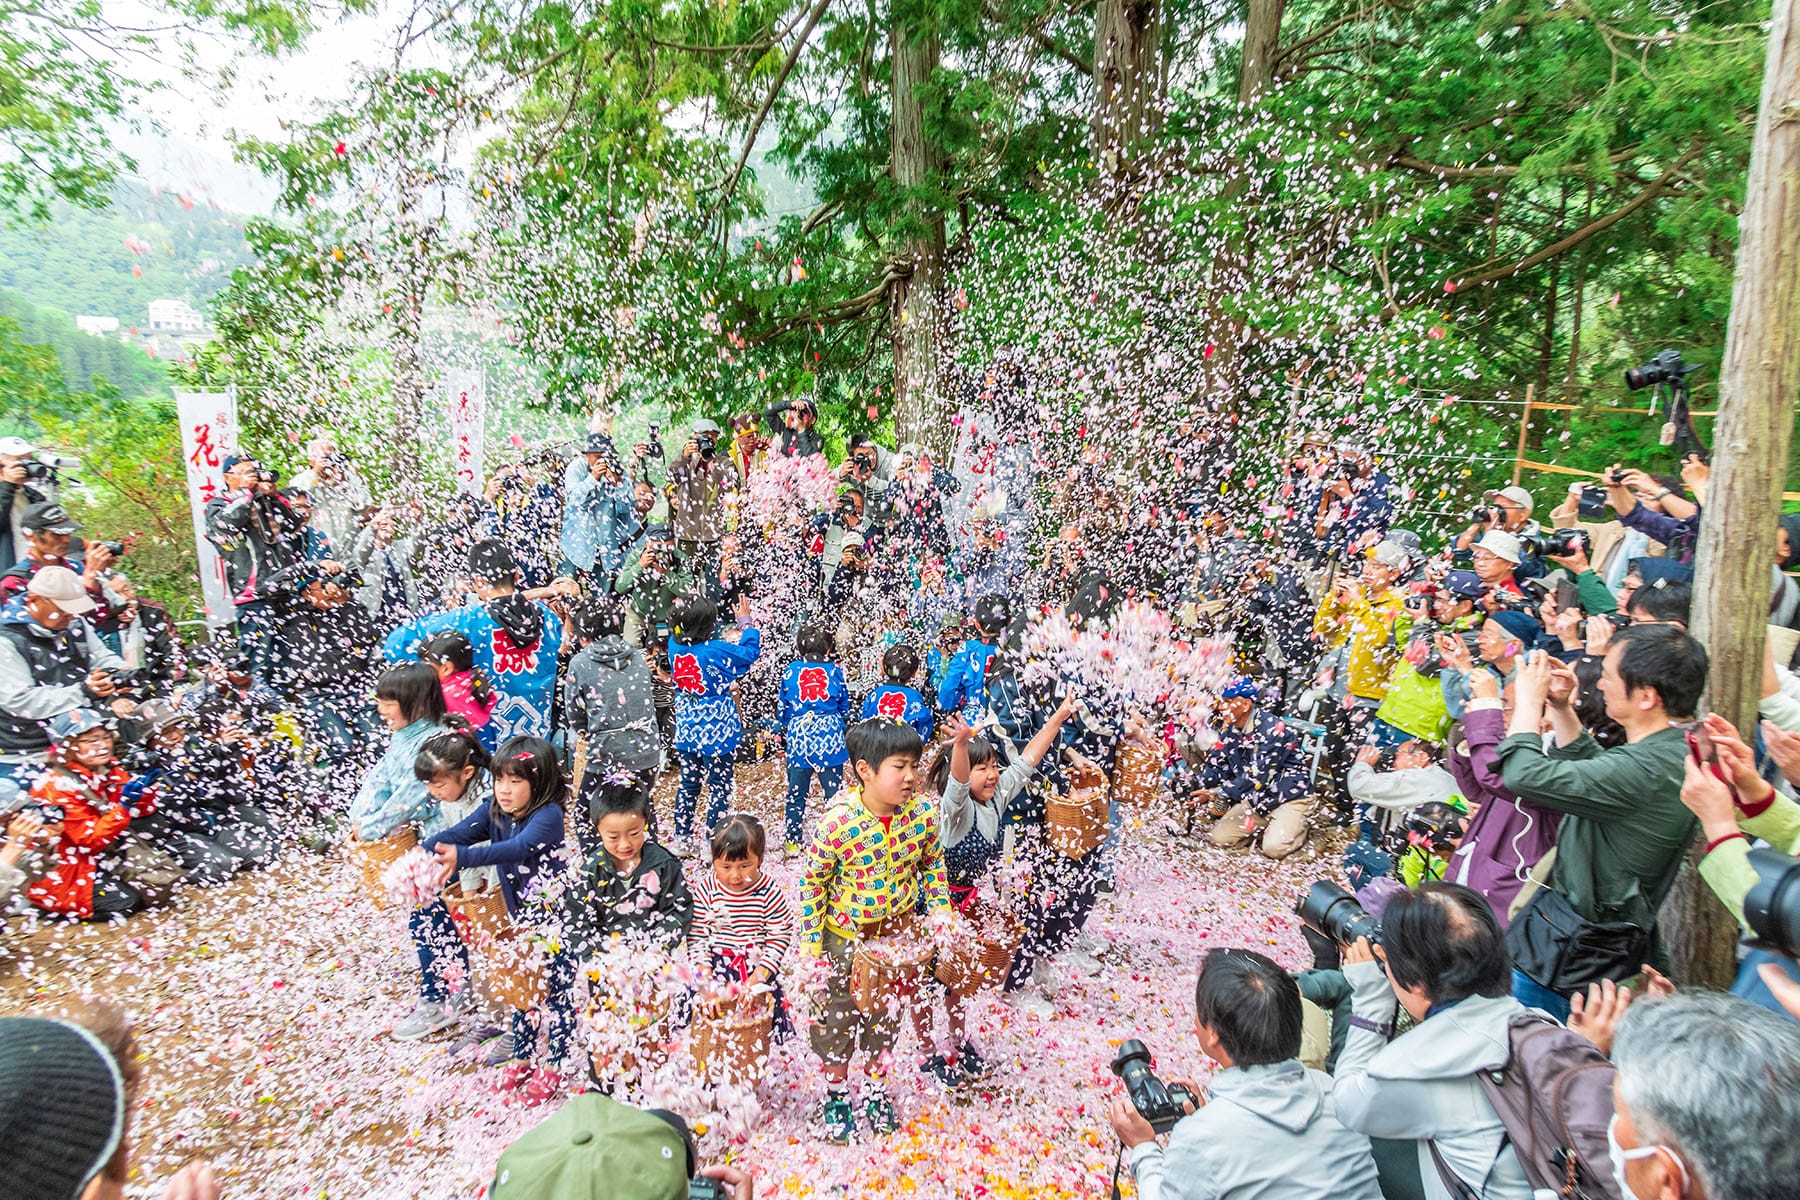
<point x="62" y="587"/>
<point x="1502" y="543"/>
<point x="68" y="726"/>
<point x="1519" y="625"/>
<point x="1464" y="585"/>
<point x="1390" y="554"/>
<point x="1241" y="688"/>
<point x="232" y="460"/>
<point x="705" y="425"/>
<point x="1517" y="495"/>
<point x="158" y="714"/>
<point x="594" y="1148"/>
<point x="599" y="443"/>
<point x="62" y="1108"/>
<point x="47" y="516"/>
<point x="18" y="447"/>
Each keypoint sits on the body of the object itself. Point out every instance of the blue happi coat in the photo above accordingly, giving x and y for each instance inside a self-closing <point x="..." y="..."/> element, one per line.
<point x="898" y="703"/>
<point x="814" y="704"/>
<point x="965" y="681"/>
<point x="706" y="717"/>
<point x="524" y="678"/>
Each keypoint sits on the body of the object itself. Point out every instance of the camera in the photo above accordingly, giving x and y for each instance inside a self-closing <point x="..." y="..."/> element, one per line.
<point x="1666" y="367"/>
<point x="1486" y="515"/>
<point x="705" y="1187"/>
<point x="1590" y="505"/>
<point x="1155" y="1101"/>
<point x="653" y="443"/>
<point x="1332" y="912"/>
<point x="116" y="549"/>
<point x="1558" y="544"/>
<point x="707" y="444"/>
<point x="1772" y="906"/>
<point x="264" y="475"/>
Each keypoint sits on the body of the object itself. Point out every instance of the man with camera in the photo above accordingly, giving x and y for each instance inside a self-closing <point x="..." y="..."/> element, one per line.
<point x="25" y="479"/>
<point x="49" y="536"/>
<point x="1267" y="1129"/>
<point x="599" y="514"/>
<point x="1507" y="510"/>
<point x="845" y="541"/>
<point x="1355" y="504"/>
<point x="698" y="480"/>
<point x="1653" y="508"/>
<point x="257" y="533"/>
<point x="792" y="422"/>
<point x="1441" y="957"/>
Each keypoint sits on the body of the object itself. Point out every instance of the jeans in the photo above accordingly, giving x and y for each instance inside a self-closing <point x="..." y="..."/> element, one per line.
<point x="714" y="773"/>
<point x="1532" y="994"/>
<point x="799" y="779"/>
<point x="557" y="1012"/>
<point x="435" y="938"/>
<point x="257" y="635"/>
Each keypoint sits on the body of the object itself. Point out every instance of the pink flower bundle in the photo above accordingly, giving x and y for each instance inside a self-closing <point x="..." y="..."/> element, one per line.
<point x="1134" y="662"/>
<point x="412" y="880"/>
<point x="785" y="494"/>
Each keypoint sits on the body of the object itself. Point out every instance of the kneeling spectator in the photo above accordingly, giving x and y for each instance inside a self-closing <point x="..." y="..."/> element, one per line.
<point x="1267" y="1129"/>
<point x="1258" y="769"/>
<point x="1414" y="784"/>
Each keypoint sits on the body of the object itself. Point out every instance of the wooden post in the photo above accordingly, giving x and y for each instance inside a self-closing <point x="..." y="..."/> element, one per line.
<point x="1758" y="382"/>
<point x="1524" y="431"/>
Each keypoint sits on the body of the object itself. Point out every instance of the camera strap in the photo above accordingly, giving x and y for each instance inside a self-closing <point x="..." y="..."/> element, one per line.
<point x="1118" y="1163"/>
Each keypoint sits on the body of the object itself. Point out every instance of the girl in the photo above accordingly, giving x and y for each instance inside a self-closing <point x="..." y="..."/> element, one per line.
<point x="896" y="698"/>
<point x="523" y="834"/>
<point x="814" y="703"/>
<point x="83" y="790"/>
<point x="707" y="729"/>
<point x="411" y="704"/>
<point x="973" y="792"/>
<point x="467" y="692"/>
<point x="741" y="918"/>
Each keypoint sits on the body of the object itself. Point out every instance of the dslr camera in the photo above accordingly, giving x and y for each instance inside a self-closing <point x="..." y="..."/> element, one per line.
<point x="1158" y="1103"/>
<point x="705" y="1187"/>
<point x="1772" y="906"/>
<point x="707" y="444"/>
<point x="1485" y="515"/>
<point x="1556" y="544"/>
<point x="1666" y="367"/>
<point x="1331" y="912"/>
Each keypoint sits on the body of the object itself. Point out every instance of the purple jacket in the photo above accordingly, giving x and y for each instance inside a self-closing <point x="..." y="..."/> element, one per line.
<point x="1507" y="835"/>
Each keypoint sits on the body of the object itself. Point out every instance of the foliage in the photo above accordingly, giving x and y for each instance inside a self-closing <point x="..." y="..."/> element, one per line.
<point x="85" y="358"/>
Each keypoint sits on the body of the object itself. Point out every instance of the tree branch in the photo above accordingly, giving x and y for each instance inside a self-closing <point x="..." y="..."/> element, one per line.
<point x="1443" y="172"/>
<point x="832" y="314"/>
<point x="762" y="114"/>
<point x="1044" y="41"/>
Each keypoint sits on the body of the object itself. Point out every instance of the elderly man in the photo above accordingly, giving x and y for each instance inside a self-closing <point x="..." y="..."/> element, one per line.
<point x="1705" y="1102"/>
<point x="338" y="493"/>
<point x="699" y="478"/>
<point x="49" y="537"/>
<point x="1496" y="559"/>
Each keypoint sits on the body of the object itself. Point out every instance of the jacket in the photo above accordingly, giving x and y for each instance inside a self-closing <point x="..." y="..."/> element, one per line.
<point x="1262" y="765"/>
<point x="653" y="594"/>
<point x="1422" y="1085"/>
<point x="1375" y="630"/>
<point x="898" y="703"/>
<point x="520" y="662"/>
<point x="1624" y="822"/>
<point x="18" y="577"/>
<point x="1399" y="792"/>
<point x="706" y="716"/>
<point x="149" y="645"/>
<point x="391" y="795"/>
<point x="460" y="701"/>
<point x="259" y="539"/>
<point x="95" y="816"/>
<point x="1727" y="868"/>
<point x="965" y="681"/>
<point x="1507" y="836"/>
<point x="43" y="675"/>
<point x="389" y="590"/>
<point x="696" y="498"/>
<point x="796" y="443"/>
<point x="1679" y="535"/>
<point x="653" y="901"/>
<point x="599" y="519"/>
<point x="328" y="649"/>
<point x="858" y="873"/>
<point x="1265" y="1133"/>
<point x="813" y="707"/>
<point x="610" y="695"/>
<point x="525" y="852"/>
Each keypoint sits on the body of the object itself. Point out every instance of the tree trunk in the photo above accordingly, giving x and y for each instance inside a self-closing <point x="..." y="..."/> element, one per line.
<point x="1127" y="83"/>
<point x="920" y="405"/>
<point x="1262" y="38"/>
<point x="1758" y="381"/>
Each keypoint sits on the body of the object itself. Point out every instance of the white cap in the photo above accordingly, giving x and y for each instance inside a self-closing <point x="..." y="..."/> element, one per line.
<point x="1501" y="543"/>
<point x="1391" y="554"/>
<point x="18" y="447"/>
<point x="1517" y="495"/>
<point x="62" y="587"/>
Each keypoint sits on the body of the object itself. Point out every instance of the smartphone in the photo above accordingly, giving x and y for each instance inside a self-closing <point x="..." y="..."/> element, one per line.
<point x="1701" y="748"/>
<point x="1568" y="596"/>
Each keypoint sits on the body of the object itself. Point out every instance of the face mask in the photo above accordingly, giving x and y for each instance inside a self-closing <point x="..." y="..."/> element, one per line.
<point x="1620" y="1156"/>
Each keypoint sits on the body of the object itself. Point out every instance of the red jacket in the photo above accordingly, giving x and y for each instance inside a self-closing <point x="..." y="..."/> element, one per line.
<point x="94" y="817"/>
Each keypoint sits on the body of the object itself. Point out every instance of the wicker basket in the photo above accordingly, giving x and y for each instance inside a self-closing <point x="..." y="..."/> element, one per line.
<point x="1077" y="826"/>
<point x="894" y="962"/>
<point x="1137" y="777"/>
<point x="649" y="1052"/>
<point x="983" y="960"/>
<point x="511" y="967"/>
<point x="484" y="912"/>
<point x="579" y="766"/>
<point x="732" y="1045"/>
<point x="373" y="858"/>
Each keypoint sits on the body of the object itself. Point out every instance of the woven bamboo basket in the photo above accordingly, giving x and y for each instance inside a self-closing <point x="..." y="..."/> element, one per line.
<point x="1137" y="777"/>
<point x="732" y="1045"/>
<point x="578" y="768"/>
<point x="983" y="960"/>
<point x="372" y="858"/>
<point x="892" y="963"/>
<point x="513" y="969"/>
<point x="650" y="1048"/>
<point x="485" y="913"/>
<point x="1077" y="826"/>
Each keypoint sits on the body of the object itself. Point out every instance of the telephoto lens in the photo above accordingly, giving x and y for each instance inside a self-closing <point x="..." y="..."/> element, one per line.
<point x="1329" y="910"/>
<point x="1772" y="906"/>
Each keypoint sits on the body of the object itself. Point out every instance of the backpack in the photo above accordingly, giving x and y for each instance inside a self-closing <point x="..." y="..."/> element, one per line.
<point x="1555" y="1098"/>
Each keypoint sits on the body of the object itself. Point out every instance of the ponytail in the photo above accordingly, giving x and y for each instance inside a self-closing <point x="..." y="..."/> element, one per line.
<point x="450" y="750"/>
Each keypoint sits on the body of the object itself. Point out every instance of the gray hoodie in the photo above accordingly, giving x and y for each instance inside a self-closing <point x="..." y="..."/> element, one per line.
<point x="608" y="694"/>
<point x="1265" y="1133"/>
<point x="1422" y="1086"/>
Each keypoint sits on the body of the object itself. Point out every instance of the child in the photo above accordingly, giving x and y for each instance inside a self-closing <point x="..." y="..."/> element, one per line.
<point x="610" y="696"/>
<point x="896" y="698"/>
<point x="411" y="704"/>
<point x="974" y="792"/>
<point x="523" y="832"/>
<point x="467" y="692"/>
<point x="628" y="869"/>
<point x="741" y="918"/>
<point x="963" y="688"/>
<point x="707" y="729"/>
<point x="83" y="787"/>
<point x="875" y="851"/>
<point x="814" y="703"/>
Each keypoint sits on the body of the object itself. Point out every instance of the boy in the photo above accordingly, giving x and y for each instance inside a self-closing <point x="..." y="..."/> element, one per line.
<point x="964" y="686"/>
<point x="632" y="886"/>
<point x="896" y="698"/>
<point x="875" y="852"/>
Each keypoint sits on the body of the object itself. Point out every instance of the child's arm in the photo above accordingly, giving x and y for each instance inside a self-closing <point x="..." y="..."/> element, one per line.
<point x="780" y="928"/>
<point x="1043" y="739"/>
<point x="700" y="931"/>
<point x="674" y="904"/>
<point x="815" y="882"/>
<point x="466" y="832"/>
<point x="543" y="831"/>
<point x="743" y="653"/>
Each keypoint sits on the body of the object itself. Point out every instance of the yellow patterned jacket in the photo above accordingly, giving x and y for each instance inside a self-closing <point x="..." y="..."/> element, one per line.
<point x="858" y="873"/>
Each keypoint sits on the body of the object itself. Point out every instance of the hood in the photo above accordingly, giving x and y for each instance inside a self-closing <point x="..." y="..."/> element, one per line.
<point x="610" y="652"/>
<point x="1471" y="1035"/>
<point x="521" y="618"/>
<point x="1283" y="1094"/>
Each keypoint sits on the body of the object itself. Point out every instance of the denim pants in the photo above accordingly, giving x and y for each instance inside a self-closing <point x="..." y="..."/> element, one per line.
<point x="714" y="773"/>
<point x="557" y="1011"/>
<point x="799" y="779"/>
<point x="257" y="630"/>
<point x="1532" y="994"/>
<point x="435" y="937"/>
<point x="1065" y="894"/>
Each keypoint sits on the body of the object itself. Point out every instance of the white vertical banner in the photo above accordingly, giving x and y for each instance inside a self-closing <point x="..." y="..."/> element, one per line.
<point x="465" y="393"/>
<point x="209" y="432"/>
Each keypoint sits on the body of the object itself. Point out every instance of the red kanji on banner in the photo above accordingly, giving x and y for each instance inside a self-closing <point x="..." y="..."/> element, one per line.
<point x="814" y="684"/>
<point x="205" y="453"/>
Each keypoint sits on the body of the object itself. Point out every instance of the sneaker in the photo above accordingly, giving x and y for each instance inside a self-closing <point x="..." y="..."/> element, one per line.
<point x="1043" y="977"/>
<point x="793" y="848"/>
<point x="1105" y="886"/>
<point x="1092" y="946"/>
<point x="837" y="1122"/>
<point x="878" y="1111"/>
<point x="945" y="1074"/>
<point x="423" y="1021"/>
<point x="500" y="1051"/>
<point x="972" y="1065"/>
<point x="1078" y="960"/>
<point x="476" y="1038"/>
<point x="1028" y="1003"/>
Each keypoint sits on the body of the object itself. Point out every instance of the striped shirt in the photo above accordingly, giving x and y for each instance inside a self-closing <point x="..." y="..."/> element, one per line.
<point x="757" y="923"/>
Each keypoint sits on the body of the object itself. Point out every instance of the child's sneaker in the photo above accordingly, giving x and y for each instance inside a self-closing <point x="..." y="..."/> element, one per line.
<point x="971" y="1064"/>
<point x="428" y="1018"/>
<point x="1080" y="960"/>
<point x="878" y="1111"/>
<point x="837" y="1121"/>
<point x="500" y="1051"/>
<point x="1028" y="1003"/>
<point x="792" y="848"/>
<point x="1043" y="978"/>
<point x="947" y="1075"/>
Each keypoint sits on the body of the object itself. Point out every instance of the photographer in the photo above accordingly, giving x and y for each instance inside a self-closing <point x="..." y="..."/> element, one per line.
<point x="1495" y="560"/>
<point x="599" y="514"/>
<point x="143" y="634"/>
<point x="1442" y="957"/>
<point x="792" y="422"/>
<point x="1508" y="510"/>
<point x="1356" y="505"/>
<point x="1653" y="508"/>
<point x="595" y="1146"/>
<point x="869" y="466"/>
<point x="1267" y="1129"/>
<point x="49" y="536"/>
<point x="698" y="480"/>
<point x="23" y="482"/>
<point x="1591" y="591"/>
<point x="526" y="514"/>
<point x="258" y="535"/>
<point x="338" y="492"/>
<point x="845" y="543"/>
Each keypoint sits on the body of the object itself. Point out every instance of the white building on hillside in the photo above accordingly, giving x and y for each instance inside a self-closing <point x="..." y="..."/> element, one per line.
<point x="98" y="326"/>
<point x="174" y="316"/>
